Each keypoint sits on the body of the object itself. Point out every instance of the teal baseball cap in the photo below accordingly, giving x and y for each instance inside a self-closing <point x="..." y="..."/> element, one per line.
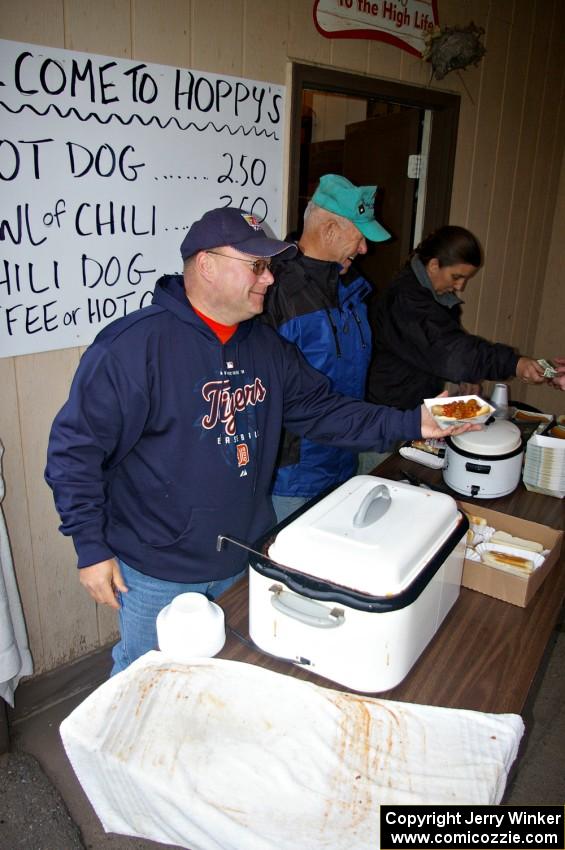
<point x="357" y="203"/>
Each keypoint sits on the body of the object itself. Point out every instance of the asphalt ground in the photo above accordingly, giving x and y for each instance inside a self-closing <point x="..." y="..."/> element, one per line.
<point x="33" y="815"/>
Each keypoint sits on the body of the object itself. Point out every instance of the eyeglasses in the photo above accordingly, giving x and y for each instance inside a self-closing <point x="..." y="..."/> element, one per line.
<point x="257" y="266"/>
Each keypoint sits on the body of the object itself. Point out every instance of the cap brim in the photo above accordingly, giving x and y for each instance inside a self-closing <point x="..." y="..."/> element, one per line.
<point x="265" y="247"/>
<point x="373" y="231"/>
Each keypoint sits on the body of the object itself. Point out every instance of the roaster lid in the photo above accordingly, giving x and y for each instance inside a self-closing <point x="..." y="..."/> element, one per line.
<point x="371" y="534"/>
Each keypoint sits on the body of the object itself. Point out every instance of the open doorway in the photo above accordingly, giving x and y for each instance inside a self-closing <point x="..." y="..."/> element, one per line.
<point x="371" y="142"/>
<point x="375" y="132"/>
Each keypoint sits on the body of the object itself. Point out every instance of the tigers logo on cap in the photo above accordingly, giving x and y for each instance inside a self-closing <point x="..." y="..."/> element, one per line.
<point x="251" y="221"/>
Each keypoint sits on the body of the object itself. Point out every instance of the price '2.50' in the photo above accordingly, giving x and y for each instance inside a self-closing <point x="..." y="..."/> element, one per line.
<point x="244" y="172"/>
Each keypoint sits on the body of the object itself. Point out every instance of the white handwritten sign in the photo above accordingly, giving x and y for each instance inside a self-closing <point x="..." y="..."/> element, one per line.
<point x="104" y="165"/>
<point x="403" y="23"/>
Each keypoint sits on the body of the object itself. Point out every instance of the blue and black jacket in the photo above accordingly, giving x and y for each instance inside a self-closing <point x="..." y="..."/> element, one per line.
<point x="325" y="315"/>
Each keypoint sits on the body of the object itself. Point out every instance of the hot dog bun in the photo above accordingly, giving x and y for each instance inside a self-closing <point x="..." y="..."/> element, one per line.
<point x="525" y="416"/>
<point x="476" y="520"/>
<point x="517" y="542"/>
<point x="509" y="563"/>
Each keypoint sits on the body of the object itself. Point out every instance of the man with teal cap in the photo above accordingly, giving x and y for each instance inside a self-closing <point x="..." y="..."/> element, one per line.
<point x="318" y="302"/>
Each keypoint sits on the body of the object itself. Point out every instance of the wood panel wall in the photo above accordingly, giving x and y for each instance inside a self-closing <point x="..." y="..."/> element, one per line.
<point x="507" y="182"/>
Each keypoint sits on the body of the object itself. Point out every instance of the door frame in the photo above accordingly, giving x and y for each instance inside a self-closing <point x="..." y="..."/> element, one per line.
<point x="444" y="107"/>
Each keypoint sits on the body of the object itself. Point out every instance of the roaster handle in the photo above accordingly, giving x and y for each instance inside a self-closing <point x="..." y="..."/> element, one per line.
<point x="375" y="505"/>
<point x="305" y="610"/>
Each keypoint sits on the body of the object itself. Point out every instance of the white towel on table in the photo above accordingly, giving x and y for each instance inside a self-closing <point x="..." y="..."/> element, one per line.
<point x="220" y="755"/>
<point x="15" y="657"/>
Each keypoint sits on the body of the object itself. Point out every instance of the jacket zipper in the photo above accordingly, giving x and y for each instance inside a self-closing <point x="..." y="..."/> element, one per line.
<point x="334" y="331"/>
<point x="359" y="326"/>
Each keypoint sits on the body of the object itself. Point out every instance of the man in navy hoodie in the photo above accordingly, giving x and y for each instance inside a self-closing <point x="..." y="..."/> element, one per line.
<point x="170" y="433"/>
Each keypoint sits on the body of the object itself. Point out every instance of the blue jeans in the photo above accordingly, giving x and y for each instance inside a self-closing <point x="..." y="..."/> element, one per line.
<point x="139" y="607"/>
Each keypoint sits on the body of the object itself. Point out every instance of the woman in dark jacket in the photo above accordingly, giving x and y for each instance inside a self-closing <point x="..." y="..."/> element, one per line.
<point x="419" y="342"/>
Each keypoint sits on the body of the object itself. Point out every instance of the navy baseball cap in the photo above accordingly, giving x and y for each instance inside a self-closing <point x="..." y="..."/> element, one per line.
<point x="228" y="226"/>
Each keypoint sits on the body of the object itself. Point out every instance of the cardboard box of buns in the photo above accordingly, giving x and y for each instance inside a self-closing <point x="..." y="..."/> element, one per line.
<point x="516" y="589"/>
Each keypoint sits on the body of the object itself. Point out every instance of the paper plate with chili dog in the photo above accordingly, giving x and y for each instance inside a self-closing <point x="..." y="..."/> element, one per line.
<point x="459" y="410"/>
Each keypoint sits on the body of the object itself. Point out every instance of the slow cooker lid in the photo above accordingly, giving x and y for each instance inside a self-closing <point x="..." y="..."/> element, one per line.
<point x="498" y="438"/>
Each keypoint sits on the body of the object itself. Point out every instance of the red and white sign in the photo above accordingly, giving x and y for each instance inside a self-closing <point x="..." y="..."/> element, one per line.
<point x="403" y="23"/>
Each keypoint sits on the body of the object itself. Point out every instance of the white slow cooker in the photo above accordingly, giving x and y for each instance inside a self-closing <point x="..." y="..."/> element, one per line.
<point x="485" y="464"/>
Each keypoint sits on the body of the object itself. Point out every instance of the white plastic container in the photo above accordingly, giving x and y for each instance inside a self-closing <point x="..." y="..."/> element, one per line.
<point x="355" y="587"/>
<point x="191" y="626"/>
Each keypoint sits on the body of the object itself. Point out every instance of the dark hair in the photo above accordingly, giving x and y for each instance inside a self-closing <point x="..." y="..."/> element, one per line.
<point x="450" y="245"/>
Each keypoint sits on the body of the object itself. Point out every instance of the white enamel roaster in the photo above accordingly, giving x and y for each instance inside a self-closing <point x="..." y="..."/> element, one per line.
<point x="356" y="586"/>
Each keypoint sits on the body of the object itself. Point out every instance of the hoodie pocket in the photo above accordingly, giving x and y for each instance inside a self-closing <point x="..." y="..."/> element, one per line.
<point x="158" y="517"/>
<point x="199" y="521"/>
<point x="166" y="518"/>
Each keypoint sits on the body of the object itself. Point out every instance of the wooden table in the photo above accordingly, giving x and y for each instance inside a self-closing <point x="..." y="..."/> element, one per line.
<point x="485" y="655"/>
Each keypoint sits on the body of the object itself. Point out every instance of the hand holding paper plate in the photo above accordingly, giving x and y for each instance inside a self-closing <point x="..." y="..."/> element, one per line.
<point x="459" y="410"/>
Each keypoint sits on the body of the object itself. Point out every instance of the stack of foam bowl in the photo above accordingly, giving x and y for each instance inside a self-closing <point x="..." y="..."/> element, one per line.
<point x="191" y="626"/>
<point x="544" y="469"/>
